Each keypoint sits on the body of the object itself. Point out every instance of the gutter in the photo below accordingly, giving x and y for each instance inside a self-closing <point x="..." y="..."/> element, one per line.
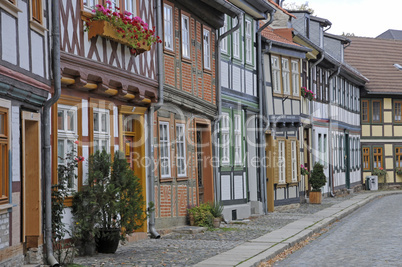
<point x="262" y="97"/>
<point x="151" y="111"/>
<point x="215" y="143"/>
<point x="330" y="158"/>
<point x="51" y="260"/>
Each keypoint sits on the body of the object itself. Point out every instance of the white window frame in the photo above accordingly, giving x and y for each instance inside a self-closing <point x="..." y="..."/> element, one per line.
<point x="295" y="77"/>
<point x="164" y="143"/>
<point x="237" y="139"/>
<point x="99" y="135"/>
<point x="224" y="42"/>
<point x="185" y="36"/>
<point x="67" y="137"/>
<point x="90" y="4"/>
<point x="282" y="162"/>
<point x="285" y="76"/>
<point x="294" y="160"/>
<point x="249" y="41"/>
<point x="131" y="6"/>
<point x="207" y="48"/>
<point x="225" y="135"/>
<point x="168" y="27"/>
<point x="236" y="41"/>
<point x="181" y="149"/>
<point x="276" y="70"/>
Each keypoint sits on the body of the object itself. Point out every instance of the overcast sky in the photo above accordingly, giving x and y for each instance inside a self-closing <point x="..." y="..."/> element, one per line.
<point x="368" y="18"/>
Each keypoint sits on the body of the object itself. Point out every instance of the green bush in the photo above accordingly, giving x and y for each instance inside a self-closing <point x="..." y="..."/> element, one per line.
<point x="216" y="209"/>
<point x="202" y="215"/>
<point x="317" y="178"/>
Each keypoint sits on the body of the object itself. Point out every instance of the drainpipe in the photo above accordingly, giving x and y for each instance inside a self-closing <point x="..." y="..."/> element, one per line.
<point x="46" y="129"/>
<point x="331" y="174"/>
<point x="262" y="98"/>
<point x="151" y="111"/>
<point x="218" y="97"/>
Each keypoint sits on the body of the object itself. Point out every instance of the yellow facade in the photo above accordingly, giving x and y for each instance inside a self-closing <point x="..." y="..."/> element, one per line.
<point x="398" y="178"/>
<point x="376" y="130"/>
<point x="388" y="150"/>
<point x="365" y="130"/>
<point x="387" y="130"/>
<point x="389" y="163"/>
<point x="388" y="117"/>
<point x="397" y="130"/>
<point x="390" y="177"/>
<point x="387" y="103"/>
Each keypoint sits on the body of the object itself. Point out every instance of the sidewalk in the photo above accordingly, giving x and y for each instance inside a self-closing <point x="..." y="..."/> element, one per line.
<point x="261" y="249"/>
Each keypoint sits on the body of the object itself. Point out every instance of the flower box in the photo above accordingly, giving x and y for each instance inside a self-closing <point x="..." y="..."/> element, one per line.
<point x="107" y="30"/>
<point x="307" y="93"/>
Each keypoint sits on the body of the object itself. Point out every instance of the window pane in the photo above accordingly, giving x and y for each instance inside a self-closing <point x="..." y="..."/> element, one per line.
<point x="70" y="121"/>
<point x="2" y="122"/>
<point x="60" y="120"/>
<point x="103" y="122"/>
<point x="96" y="122"/>
<point x="60" y="151"/>
<point x="376" y="111"/>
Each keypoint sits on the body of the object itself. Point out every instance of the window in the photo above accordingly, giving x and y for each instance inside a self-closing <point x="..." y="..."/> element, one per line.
<point x="225" y="138"/>
<point x="4" y="158"/>
<point x="294" y="161"/>
<point x="325" y="150"/>
<point x="237" y="140"/>
<point x="249" y="43"/>
<point x="164" y="149"/>
<point x="285" y="76"/>
<point x="185" y="36"/>
<point x="397" y="111"/>
<point x="320" y="148"/>
<point x="366" y="158"/>
<point x="319" y="84"/>
<point x="224" y="42"/>
<point x="36" y="10"/>
<point x="181" y="150"/>
<point x="365" y="111"/>
<point x="168" y="26"/>
<point x="281" y="162"/>
<point x="276" y="74"/>
<point x="207" y="49"/>
<point x="377" y="111"/>
<point x="101" y="121"/>
<point x="341" y="153"/>
<point x="236" y="41"/>
<point x="130" y="6"/>
<point x="67" y="133"/>
<point x="343" y="93"/>
<point x="295" y="77"/>
<point x="398" y="157"/>
<point x="377" y="157"/>
<point x="90" y="3"/>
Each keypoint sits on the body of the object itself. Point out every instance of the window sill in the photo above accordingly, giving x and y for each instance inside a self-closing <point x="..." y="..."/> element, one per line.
<point x="281" y="185"/>
<point x="166" y="179"/>
<point x="186" y="60"/>
<point x="5" y="207"/>
<point x="37" y="27"/>
<point x="168" y="51"/>
<point x="184" y="178"/>
<point x="12" y="9"/>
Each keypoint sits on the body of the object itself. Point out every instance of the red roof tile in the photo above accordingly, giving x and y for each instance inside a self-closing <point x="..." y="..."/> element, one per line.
<point x="279" y="35"/>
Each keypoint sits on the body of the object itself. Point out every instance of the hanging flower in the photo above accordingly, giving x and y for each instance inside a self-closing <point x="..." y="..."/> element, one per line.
<point x="307" y="93"/>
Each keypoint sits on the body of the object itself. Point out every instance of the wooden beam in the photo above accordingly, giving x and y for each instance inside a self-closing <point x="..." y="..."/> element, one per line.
<point x="67" y="81"/>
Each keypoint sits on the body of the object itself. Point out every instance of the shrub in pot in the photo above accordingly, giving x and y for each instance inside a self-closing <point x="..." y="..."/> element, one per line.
<point x="112" y="199"/>
<point x="216" y="209"/>
<point x="317" y="180"/>
<point x="202" y="215"/>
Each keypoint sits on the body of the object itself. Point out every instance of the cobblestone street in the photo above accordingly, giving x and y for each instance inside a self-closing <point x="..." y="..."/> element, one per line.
<point x="369" y="237"/>
<point x="187" y="249"/>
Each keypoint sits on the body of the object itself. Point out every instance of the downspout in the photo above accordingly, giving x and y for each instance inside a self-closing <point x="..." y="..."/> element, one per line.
<point x="261" y="98"/>
<point x="331" y="174"/>
<point x="312" y="104"/>
<point x="46" y="129"/>
<point x="151" y="111"/>
<point x="219" y="99"/>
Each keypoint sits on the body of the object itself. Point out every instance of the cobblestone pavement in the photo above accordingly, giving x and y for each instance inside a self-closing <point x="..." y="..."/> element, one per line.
<point x="187" y="249"/>
<point x="369" y="237"/>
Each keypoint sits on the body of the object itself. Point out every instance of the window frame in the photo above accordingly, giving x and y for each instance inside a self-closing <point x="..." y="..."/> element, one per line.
<point x="295" y="77"/>
<point x="378" y="154"/>
<point x="398" y="156"/>
<point x="225" y="131"/>
<point x="237" y="136"/>
<point x="166" y="145"/>
<point x="276" y="74"/>
<point x="248" y="39"/>
<point x="394" y="111"/>
<point x="5" y="144"/>
<point x="367" y="113"/>
<point x="166" y="26"/>
<point x="184" y="156"/>
<point x="285" y="76"/>
<point x="225" y="41"/>
<point x="183" y="33"/>
<point x="100" y="135"/>
<point x="37" y="11"/>
<point x="207" y="58"/>
<point x="281" y="162"/>
<point x="236" y="35"/>
<point x="294" y="160"/>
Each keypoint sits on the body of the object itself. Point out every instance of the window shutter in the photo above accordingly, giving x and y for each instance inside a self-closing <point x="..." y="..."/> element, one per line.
<point x="298" y="160"/>
<point x="288" y="155"/>
<point x="275" y="161"/>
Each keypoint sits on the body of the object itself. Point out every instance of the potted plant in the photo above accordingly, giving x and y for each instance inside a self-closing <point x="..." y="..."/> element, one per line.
<point x="307" y="93"/>
<point x="317" y="180"/>
<point x="380" y="172"/>
<point x="111" y="205"/>
<point x="398" y="170"/>
<point x="216" y="209"/>
<point x="304" y="170"/>
<point x="121" y="27"/>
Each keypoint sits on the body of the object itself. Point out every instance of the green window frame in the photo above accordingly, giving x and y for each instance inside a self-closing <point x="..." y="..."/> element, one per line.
<point x="237" y="41"/>
<point x="249" y="41"/>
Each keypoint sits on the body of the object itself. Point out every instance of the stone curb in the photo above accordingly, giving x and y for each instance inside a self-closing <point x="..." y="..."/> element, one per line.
<point x="275" y="248"/>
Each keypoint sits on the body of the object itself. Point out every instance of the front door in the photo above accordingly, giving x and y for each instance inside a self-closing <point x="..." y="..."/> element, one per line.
<point x="347" y="161"/>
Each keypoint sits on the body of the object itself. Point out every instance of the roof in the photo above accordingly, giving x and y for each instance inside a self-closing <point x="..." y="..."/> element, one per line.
<point x="375" y="59"/>
<point x="341" y="38"/>
<point x="322" y="21"/>
<point x="275" y="36"/>
<point x="258" y="9"/>
<point x="391" y="34"/>
<point x="281" y="8"/>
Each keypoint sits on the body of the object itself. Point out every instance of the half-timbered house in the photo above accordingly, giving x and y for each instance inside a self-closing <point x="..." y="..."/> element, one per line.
<point x="106" y="91"/>
<point x="24" y="88"/>
<point x="185" y="123"/>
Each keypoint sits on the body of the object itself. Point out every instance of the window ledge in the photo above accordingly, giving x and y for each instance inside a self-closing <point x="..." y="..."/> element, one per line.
<point x="37" y="27"/>
<point x="10" y="8"/>
<point x="5" y="207"/>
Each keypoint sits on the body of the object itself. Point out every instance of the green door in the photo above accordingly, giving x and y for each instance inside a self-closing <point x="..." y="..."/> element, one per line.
<point x="347" y="161"/>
